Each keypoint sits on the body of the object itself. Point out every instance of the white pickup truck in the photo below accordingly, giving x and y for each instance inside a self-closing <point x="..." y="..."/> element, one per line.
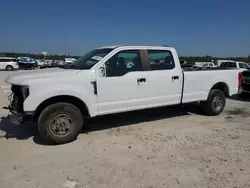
<point x="111" y="80"/>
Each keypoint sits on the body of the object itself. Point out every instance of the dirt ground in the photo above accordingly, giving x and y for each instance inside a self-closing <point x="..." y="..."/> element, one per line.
<point x="165" y="147"/>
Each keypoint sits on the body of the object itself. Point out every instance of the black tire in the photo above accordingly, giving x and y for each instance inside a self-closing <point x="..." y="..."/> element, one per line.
<point x="215" y="103"/>
<point x="9" y="68"/>
<point x="49" y="128"/>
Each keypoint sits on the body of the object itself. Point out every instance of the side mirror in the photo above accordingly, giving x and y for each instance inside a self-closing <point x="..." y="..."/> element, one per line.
<point x="101" y="71"/>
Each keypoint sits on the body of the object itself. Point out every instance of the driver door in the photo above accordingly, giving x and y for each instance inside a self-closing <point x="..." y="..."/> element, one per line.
<point x="123" y="86"/>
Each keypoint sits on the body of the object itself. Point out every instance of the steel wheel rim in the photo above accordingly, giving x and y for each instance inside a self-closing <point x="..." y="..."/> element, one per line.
<point x="217" y="103"/>
<point x="62" y="124"/>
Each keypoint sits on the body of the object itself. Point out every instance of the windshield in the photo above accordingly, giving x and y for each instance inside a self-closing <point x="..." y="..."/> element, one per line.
<point x="90" y="58"/>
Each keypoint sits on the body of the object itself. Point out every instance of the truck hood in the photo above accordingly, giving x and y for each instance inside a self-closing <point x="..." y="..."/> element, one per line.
<point x="19" y="78"/>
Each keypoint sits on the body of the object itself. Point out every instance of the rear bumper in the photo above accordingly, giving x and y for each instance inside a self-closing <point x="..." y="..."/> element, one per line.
<point x="245" y="91"/>
<point x="245" y="88"/>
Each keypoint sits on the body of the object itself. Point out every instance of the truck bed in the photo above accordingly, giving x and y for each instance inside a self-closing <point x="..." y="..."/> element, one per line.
<point x="198" y="83"/>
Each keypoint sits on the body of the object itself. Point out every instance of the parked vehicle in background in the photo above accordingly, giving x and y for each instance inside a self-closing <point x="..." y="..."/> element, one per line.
<point x="60" y="63"/>
<point x="27" y="63"/>
<point x="69" y="61"/>
<point x="209" y="65"/>
<point x="238" y="65"/>
<point x="245" y="88"/>
<point x="46" y="64"/>
<point x="8" y="63"/>
<point x="218" y="62"/>
<point x="183" y="62"/>
<point x="55" y="63"/>
<point x="200" y="64"/>
<point x="40" y="63"/>
<point x="101" y="83"/>
<point x="188" y="65"/>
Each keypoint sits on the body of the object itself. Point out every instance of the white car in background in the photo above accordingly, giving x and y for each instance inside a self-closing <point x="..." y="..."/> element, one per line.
<point x="8" y="63"/>
<point x="238" y="65"/>
<point x="209" y="65"/>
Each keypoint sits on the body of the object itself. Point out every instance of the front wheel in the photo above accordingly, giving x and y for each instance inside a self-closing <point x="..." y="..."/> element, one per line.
<point x="215" y="103"/>
<point x="9" y="68"/>
<point x="60" y="123"/>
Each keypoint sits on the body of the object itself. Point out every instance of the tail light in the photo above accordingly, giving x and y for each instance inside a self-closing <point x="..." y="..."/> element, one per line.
<point x="240" y="78"/>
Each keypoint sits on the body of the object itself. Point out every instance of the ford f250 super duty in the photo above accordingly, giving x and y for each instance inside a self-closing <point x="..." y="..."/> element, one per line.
<point x="111" y="80"/>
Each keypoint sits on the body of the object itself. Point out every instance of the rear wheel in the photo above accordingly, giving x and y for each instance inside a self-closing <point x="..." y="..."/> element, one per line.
<point x="215" y="103"/>
<point x="9" y="68"/>
<point x="60" y="123"/>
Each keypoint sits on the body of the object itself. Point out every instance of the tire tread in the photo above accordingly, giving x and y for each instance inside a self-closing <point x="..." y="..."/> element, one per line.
<point x="46" y="115"/>
<point x="207" y="105"/>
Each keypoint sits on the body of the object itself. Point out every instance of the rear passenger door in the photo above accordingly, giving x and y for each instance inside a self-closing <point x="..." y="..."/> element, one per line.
<point x="164" y="79"/>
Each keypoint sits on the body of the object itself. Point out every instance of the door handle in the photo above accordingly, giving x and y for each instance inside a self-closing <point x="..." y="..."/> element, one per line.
<point x="141" y="80"/>
<point x="175" y="77"/>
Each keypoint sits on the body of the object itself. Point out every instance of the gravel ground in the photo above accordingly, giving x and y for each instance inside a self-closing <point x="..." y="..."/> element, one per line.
<point x="165" y="147"/>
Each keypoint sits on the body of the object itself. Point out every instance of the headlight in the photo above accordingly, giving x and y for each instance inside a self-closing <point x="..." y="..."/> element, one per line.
<point x="25" y="92"/>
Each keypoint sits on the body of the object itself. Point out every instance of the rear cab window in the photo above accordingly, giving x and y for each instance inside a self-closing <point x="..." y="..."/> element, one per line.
<point x="161" y="60"/>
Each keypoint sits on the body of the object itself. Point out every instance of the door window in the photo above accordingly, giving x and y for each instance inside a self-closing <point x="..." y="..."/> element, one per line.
<point x="123" y="62"/>
<point x="161" y="60"/>
<point x="4" y="60"/>
<point x="243" y="66"/>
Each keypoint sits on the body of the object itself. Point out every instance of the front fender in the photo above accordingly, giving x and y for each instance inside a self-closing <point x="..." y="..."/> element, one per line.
<point x="37" y="96"/>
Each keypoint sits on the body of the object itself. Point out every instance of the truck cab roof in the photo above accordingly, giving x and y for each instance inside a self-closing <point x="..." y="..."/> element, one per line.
<point x="136" y="47"/>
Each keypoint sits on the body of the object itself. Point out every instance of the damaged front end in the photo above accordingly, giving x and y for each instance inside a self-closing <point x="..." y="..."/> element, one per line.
<point x="16" y="98"/>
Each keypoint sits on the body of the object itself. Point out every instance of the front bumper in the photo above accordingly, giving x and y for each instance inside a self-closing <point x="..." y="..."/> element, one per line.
<point x="20" y="117"/>
<point x="16" y="113"/>
<point x="13" y="116"/>
<point x="16" y="118"/>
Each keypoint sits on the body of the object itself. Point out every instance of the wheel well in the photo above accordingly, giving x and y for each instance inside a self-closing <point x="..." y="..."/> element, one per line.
<point x="9" y="66"/>
<point x="223" y="87"/>
<point x="63" y="98"/>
